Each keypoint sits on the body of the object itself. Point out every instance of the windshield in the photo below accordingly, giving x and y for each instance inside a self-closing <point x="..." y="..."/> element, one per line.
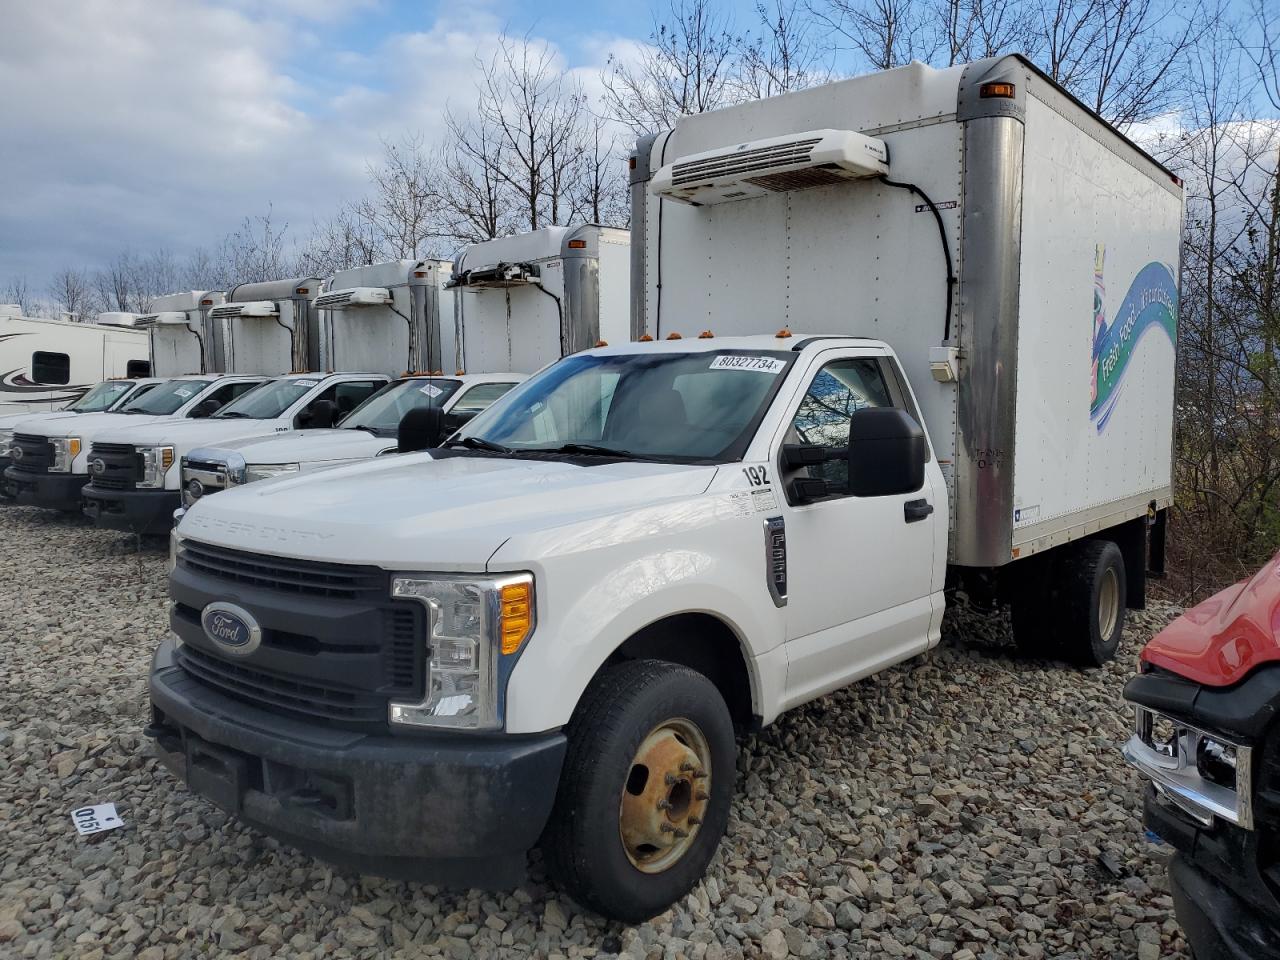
<point x="678" y="407"/>
<point x="267" y="401"/>
<point x="382" y="412"/>
<point x="101" y="397"/>
<point x="166" y="398"/>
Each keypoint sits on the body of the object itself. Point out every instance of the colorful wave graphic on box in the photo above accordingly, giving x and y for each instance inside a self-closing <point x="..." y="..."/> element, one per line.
<point x="1150" y="304"/>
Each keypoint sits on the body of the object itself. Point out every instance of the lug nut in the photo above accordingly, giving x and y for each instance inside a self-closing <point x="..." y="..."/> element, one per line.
<point x="699" y="774"/>
<point x="695" y="820"/>
<point x="702" y="795"/>
<point x="664" y="804"/>
<point x="670" y="780"/>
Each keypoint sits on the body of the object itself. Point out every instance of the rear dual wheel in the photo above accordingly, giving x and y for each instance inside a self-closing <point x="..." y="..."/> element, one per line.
<point x="645" y="789"/>
<point x="1072" y="607"/>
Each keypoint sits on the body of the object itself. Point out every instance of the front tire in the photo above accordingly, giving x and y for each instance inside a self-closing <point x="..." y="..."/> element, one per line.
<point x="644" y="792"/>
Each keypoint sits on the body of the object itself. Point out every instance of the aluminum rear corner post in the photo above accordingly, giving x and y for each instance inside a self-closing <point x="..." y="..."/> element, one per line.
<point x="990" y="258"/>
<point x="641" y="171"/>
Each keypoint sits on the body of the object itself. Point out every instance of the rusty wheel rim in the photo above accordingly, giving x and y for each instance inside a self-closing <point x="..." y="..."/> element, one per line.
<point x="664" y="799"/>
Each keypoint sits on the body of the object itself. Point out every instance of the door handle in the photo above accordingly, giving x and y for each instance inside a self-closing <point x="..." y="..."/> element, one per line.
<point x="914" y="510"/>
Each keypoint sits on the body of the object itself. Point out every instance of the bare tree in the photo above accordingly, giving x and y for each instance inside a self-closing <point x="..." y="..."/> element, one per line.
<point x="474" y="204"/>
<point x="400" y="214"/>
<point x="688" y="67"/>
<point x="883" y="33"/>
<point x="602" y="194"/>
<point x="16" y="291"/>
<point x="252" y="253"/>
<point x="345" y="240"/>
<point x="784" y="54"/>
<point x="71" y="292"/>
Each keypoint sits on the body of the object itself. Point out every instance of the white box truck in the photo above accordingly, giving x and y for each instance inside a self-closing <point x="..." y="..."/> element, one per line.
<point x="371" y="430"/>
<point x="47" y="364"/>
<point x="266" y="328"/>
<point x="104" y="397"/>
<point x="532" y="298"/>
<point x="181" y="333"/>
<point x="49" y="458"/>
<point x="548" y="631"/>
<point x="385" y="316"/>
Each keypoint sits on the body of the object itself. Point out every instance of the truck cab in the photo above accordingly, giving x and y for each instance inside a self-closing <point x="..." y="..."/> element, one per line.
<point x="646" y="532"/>
<point x="50" y="458"/>
<point x="106" y="396"/>
<point x="371" y="430"/>
<point x="119" y="497"/>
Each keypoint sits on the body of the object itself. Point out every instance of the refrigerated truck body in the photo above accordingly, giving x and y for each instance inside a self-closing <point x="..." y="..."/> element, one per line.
<point x="181" y="333"/>
<point x="526" y="300"/>
<point x="267" y="328"/>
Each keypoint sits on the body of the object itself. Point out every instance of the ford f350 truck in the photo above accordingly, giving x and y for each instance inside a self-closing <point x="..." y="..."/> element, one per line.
<point x="549" y="630"/>
<point x="115" y="497"/>
<point x="371" y="430"/>
<point x="106" y="396"/>
<point x="49" y="459"/>
<point x="1207" y="741"/>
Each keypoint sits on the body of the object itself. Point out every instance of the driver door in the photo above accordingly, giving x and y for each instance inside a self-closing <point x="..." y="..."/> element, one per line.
<point x="860" y="569"/>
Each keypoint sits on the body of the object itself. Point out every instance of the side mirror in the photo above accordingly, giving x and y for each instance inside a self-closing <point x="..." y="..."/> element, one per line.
<point x="206" y="408"/>
<point x="420" y="429"/>
<point x="320" y="415"/>
<point x="887" y="452"/>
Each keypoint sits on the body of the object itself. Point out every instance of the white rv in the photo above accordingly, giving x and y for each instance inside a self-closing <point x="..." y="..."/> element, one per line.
<point x="646" y="547"/>
<point x="532" y="298"/>
<point x="266" y="328"/>
<point x="385" y="316"/>
<point x="181" y="333"/>
<point x="46" y="364"/>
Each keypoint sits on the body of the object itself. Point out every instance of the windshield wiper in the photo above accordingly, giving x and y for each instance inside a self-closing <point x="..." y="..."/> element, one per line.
<point x="477" y="443"/>
<point x="232" y="415"/>
<point x="595" y="450"/>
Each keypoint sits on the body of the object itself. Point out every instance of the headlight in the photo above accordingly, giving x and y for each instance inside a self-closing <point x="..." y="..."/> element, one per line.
<point x="175" y="547"/>
<point x="265" y="471"/>
<point x="476" y="629"/>
<point x="6" y="438"/>
<point x="65" y="450"/>
<point x="156" y="462"/>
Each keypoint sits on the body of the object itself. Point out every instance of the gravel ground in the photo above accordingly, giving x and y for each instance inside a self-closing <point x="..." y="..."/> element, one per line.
<point x="953" y="807"/>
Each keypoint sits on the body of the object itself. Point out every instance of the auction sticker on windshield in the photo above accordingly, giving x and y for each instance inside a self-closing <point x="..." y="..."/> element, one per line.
<point x="734" y="361"/>
<point x="430" y="389"/>
<point x="306" y="383"/>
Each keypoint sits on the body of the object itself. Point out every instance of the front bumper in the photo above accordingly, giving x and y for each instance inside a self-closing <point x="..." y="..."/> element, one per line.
<point x="1218" y="924"/>
<point x="5" y="463"/>
<point x="452" y="809"/>
<point x="134" y="511"/>
<point x="53" y="491"/>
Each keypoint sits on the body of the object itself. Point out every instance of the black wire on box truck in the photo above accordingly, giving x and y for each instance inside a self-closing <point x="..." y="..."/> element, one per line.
<point x="942" y="235"/>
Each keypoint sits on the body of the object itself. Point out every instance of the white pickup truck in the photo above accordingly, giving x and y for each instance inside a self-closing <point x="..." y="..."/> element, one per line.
<point x="49" y="458"/>
<point x="549" y="630"/>
<point x="371" y="430"/>
<point x="118" y="497"/>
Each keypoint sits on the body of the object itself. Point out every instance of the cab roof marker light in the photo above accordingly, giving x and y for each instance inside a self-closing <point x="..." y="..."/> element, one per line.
<point x="784" y="333"/>
<point x="705" y="335"/>
<point x="998" y="88"/>
<point x="674" y="336"/>
<point x="645" y="338"/>
<point x="602" y="343"/>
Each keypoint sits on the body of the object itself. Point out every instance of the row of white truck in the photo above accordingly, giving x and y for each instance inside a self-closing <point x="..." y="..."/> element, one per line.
<point x="886" y="335"/>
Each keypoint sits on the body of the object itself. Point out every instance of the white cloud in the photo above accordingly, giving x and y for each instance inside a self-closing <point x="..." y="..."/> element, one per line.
<point x="132" y="124"/>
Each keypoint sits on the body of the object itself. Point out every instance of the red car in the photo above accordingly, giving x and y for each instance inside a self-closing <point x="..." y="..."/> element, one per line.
<point x="1207" y="738"/>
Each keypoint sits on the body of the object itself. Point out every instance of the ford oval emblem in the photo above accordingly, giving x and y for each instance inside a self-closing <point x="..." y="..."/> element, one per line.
<point x="97" y="466"/>
<point x="16" y="453"/>
<point x="232" y="628"/>
<point x="195" y="489"/>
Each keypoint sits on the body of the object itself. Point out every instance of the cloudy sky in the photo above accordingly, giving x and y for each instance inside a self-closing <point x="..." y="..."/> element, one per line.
<point x="135" y="124"/>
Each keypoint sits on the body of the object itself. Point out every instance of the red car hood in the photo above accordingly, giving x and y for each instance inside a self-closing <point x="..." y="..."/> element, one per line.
<point x="1220" y="641"/>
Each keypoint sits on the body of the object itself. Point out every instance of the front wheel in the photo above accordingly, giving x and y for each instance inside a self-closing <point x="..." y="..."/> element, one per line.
<point x="645" y="790"/>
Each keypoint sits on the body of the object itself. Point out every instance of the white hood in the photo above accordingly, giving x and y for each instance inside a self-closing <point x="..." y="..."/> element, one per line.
<point x="12" y="421"/>
<point x="187" y="434"/>
<point x="414" y="513"/>
<point x="310" y="446"/>
<point x="92" y="426"/>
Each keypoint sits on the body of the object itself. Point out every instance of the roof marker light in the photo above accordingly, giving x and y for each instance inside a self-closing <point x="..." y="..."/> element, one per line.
<point x="998" y="89"/>
<point x="705" y="335"/>
<point x="602" y="343"/>
<point x="577" y="244"/>
<point x="674" y="336"/>
<point x="645" y="338"/>
<point x="784" y="333"/>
